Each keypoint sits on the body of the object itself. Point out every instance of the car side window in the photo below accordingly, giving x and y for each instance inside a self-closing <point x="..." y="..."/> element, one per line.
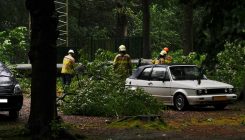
<point x="159" y="74"/>
<point x="145" y="75"/>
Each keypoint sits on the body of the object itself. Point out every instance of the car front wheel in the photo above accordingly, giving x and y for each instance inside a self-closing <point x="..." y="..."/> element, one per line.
<point x="180" y="102"/>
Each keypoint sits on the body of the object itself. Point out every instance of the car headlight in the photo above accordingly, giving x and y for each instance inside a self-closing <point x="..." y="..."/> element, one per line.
<point x="17" y="89"/>
<point x="228" y="90"/>
<point x="231" y="90"/>
<point x="201" y="91"/>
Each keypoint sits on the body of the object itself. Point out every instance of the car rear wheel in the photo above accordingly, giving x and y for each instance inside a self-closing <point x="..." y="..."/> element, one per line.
<point x="220" y="106"/>
<point x="180" y="102"/>
<point x="13" y="114"/>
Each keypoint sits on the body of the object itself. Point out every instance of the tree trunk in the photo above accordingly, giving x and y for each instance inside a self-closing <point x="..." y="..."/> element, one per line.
<point x="122" y="21"/>
<point x="42" y="56"/>
<point x="146" y="29"/>
<point x="243" y="92"/>
<point x="188" y="27"/>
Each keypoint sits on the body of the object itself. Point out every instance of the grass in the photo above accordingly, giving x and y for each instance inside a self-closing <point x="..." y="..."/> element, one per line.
<point x="218" y="121"/>
<point x="13" y="131"/>
<point x="135" y="122"/>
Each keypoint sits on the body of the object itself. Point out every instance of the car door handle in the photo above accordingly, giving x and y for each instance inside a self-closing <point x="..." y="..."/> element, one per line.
<point x="150" y="83"/>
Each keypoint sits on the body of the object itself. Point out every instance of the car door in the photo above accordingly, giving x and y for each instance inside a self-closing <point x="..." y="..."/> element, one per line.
<point x="160" y="85"/>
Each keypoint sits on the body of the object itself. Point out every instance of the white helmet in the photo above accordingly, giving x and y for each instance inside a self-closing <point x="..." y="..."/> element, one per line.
<point x="70" y="51"/>
<point x="163" y="52"/>
<point x="122" y="48"/>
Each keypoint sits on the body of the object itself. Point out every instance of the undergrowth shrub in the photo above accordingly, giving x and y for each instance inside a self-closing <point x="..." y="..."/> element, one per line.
<point x="178" y="57"/>
<point x="102" y="93"/>
<point x="231" y="64"/>
<point x="191" y="58"/>
<point x="25" y="84"/>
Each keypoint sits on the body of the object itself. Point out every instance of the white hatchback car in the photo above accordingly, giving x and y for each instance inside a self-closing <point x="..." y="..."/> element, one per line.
<point x="181" y="86"/>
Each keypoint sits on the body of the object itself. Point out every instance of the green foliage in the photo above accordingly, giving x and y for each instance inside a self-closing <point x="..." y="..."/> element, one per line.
<point x="25" y="84"/>
<point x="139" y="122"/>
<point x="166" y="26"/>
<point x="191" y="58"/>
<point x="231" y="66"/>
<point x="13" y="46"/>
<point x="56" y="128"/>
<point x="221" y="22"/>
<point x="13" y="14"/>
<point x="90" y="19"/>
<point x="179" y="57"/>
<point x="103" y="93"/>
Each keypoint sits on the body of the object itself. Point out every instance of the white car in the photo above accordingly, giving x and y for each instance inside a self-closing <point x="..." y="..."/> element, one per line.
<point x="181" y="86"/>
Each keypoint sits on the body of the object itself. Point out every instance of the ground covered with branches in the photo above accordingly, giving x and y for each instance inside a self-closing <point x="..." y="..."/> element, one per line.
<point x="195" y="123"/>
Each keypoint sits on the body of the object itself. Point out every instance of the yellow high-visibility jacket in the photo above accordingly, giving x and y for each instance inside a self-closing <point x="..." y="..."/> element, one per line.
<point x="68" y="65"/>
<point x="166" y="60"/>
<point x="122" y="64"/>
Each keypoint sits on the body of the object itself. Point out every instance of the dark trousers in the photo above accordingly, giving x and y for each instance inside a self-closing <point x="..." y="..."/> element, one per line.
<point x="66" y="78"/>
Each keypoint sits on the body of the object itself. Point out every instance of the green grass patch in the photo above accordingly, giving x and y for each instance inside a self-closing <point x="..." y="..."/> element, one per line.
<point x="137" y="122"/>
<point x="12" y="131"/>
<point x="239" y="120"/>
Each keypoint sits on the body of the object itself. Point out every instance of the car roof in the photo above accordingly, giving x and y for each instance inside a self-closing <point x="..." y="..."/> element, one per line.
<point x="141" y="68"/>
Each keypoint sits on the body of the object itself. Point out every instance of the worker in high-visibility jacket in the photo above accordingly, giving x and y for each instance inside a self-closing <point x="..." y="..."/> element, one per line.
<point x="168" y="58"/>
<point x="122" y="63"/>
<point x="67" y="70"/>
<point x="163" y="58"/>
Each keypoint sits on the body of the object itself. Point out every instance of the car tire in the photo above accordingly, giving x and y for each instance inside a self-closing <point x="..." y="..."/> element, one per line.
<point x="14" y="114"/>
<point x="220" y="106"/>
<point x="180" y="102"/>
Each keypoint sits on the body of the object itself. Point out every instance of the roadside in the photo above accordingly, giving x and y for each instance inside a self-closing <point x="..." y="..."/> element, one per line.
<point x="196" y="123"/>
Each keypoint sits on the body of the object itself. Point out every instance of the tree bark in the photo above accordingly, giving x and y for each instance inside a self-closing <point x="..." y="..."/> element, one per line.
<point x="42" y="56"/>
<point x="122" y="21"/>
<point x="188" y="27"/>
<point x="146" y="29"/>
<point x="243" y="92"/>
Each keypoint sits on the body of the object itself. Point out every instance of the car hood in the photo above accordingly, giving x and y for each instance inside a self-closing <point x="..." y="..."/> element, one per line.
<point x="207" y="84"/>
<point x="6" y="80"/>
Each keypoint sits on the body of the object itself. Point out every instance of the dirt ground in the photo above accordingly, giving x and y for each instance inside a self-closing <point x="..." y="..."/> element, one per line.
<point x="195" y="123"/>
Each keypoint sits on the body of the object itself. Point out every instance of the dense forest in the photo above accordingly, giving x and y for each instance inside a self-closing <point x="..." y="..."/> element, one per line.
<point x="207" y="28"/>
<point x="203" y="27"/>
<point x="210" y="33"/>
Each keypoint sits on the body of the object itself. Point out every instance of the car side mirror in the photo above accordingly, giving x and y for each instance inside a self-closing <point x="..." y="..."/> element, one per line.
<point x="201" y="71"/>
<point x="200" y="76"/>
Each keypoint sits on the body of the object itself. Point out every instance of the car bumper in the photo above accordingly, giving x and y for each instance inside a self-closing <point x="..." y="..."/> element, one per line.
<point x="211" y="99"/>
<point x="11" y="102"/>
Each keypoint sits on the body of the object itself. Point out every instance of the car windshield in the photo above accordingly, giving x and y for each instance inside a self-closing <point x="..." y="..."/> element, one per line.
<point x="185" y="73"/>
<point x="4" y="71"/>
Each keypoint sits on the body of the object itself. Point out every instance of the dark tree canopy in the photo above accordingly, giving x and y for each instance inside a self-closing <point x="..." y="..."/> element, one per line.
<point x="223" y="21"/>
<point x="13" y="14"/>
